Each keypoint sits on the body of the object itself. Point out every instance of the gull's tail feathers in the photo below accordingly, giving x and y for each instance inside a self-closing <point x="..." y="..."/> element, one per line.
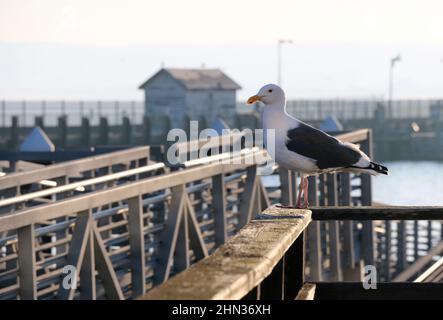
<point x="373" y="169"/>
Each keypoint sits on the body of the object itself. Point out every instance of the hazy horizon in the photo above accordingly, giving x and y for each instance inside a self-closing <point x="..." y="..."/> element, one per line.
<point x="79" y="49"/>
<point x="70" y="71"/>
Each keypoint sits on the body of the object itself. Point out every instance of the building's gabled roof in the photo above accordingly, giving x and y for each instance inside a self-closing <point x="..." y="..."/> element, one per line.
<point x="198" y="79"/>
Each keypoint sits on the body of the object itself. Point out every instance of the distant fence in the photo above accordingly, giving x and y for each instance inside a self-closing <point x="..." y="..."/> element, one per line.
<point x="306" y="109"/>
<point x="114" y="111"/>
<point x="349" y="109"/>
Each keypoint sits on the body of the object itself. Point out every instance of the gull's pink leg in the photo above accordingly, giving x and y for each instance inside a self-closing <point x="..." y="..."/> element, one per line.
<point x="300" y="190"/>
<point x="305" y="192"/>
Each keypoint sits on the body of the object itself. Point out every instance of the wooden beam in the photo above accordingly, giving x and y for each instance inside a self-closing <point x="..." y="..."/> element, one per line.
<point x="307" y="292"/>
<point x="77" y="249"/>
<point x="170" y="234"/>
<point x="88" y="289"/>
<point x="195" y="236"/>
<point x="419" y="264"/>
<point x="137" y="245"/>
<point x="384" y="291"/>
<point x="238" y="266"/>
<point x="105" y="269"/>
<point x="377" y="213"/>
<point x="248" y="197"/>
<point x="26" y="262"/>
<point x="219" y="202"/>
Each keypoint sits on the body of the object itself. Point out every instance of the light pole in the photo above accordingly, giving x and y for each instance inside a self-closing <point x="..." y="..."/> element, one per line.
<point x="279" y="45"/>
<point x="394" y="60"/>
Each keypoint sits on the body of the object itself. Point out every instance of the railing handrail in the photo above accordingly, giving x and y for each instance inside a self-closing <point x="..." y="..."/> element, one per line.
<point x="242" y="263"/>
<point x="73" y="205"/>
<point x="354" y="136"/>
<point x="431" y="272"/>
<point x="83" y="183"/>
<point x="210" y="142"/>
<point x="72" y="167"/>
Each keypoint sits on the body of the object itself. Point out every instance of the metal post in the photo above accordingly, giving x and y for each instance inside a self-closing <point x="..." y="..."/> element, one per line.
<point x="368" y="236"/>
<point x="334" y="231"/>
<point x="314" y="243"/>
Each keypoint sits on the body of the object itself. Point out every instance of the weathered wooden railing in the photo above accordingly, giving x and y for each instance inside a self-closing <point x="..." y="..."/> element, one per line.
<point x="134" y="235"/>
<point x="23" y="183"/>
<point x="222" y="204"/>
<point x="265" y="260"/>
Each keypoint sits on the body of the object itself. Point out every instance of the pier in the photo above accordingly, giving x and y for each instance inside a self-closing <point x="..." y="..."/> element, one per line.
<point x="131" y="227"/>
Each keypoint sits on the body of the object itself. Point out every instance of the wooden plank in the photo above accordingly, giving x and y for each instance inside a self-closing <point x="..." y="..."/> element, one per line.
<point x="384" y="291"/>
<point x="77" y="248"/>
<point x="169" y="234"/>
<point x="378" y="213"/>
<point x="238" y="266"/>
<point x="219" y="201"/>
<point x="137" y="245"/>
<point x="105" y="269"/>
<point x="263" y="195"/>
<point x="181" y="259"/>
<point x="88" y="289"/>
<point x="195" y="236"/>
<point x="433" y="273"/>
<point x="248" y="197"/>
<point x="354" y="136"/>
<point x="418" y="265"/>
<point x="26" y="261"/>
<point x="307" y="292"/>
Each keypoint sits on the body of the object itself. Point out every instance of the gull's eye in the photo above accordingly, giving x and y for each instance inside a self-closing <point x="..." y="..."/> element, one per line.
<point x="270" y="90"/>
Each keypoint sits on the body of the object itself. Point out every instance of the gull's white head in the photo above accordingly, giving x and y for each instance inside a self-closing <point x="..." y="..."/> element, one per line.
<point x="270" y="94"/>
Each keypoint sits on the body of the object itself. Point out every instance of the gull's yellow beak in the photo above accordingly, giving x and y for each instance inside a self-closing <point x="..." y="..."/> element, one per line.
<point x="253" y="99"/>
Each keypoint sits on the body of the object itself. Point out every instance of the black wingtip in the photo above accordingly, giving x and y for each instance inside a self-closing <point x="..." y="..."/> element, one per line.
<point x="378" y="168"/>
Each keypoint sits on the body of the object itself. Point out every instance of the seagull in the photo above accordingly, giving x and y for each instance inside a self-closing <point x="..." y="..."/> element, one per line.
<point x="303" y="148"/>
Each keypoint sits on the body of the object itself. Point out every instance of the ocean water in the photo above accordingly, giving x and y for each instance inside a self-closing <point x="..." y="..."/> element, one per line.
<point x="414" y="183"/>
<point x="410" y="183"/>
